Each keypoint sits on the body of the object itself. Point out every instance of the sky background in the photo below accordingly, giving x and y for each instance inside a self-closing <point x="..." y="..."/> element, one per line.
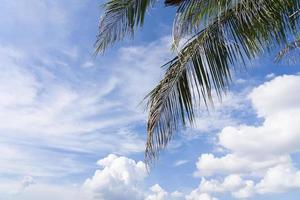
<point x="72" y="126"/>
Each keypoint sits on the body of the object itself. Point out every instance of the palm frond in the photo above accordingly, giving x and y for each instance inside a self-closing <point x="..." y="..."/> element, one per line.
<point x="294" y="44"/>
<point x="173" y="2"/>
<point x="289" y="48"/>
<point x="120" y="19"/>
<point x="193" y="15"/>
<point x="239" y="32"/>
<point x="295" y="14"/>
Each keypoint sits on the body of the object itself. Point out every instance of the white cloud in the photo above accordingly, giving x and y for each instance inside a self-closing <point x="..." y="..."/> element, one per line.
<point x="88" y="64"/>
<point x="177" y="195"/>
<point x="15" y="188"/>
<point x="196" y="195"/>
<point x="180" y="162"/>
<point x="209" y="165"/>
<point x="50" y="114"/>
<point x="280" y="130"/>
<point x="246" y="191"/>
<point x="122" y="178"/>
<point x="158" y="193"/>
<point x="54" y="111"/>
<point x="270" y="76"/>
<point x="222" y="114"/>
<point x="278" y="179"/>
<point x="259" y="152"/>
<point x="274" y="97"/>
<point x="31" y="189"/>
<point x="119" y="178"/>
<point x="27" y="181"/>
<point x="42" y="117"/>
<point x="44" y="113"/>
<point x="233" y="184"/>
<point x="141" y="66"/>
<point x="49" y="192"/>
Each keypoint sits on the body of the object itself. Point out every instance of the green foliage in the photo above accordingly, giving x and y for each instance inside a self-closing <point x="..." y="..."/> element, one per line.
<point x="289" y="48"/>
<point x="239" y="30"/>
<point x="223" y="35"/>
<point x="119" y="20"/>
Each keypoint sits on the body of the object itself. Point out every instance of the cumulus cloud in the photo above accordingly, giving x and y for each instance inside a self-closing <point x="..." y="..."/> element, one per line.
<point x="274" y="96"/>
<point x="273" y="101"/>
<point x="158" y="193"/>
<point x="119" y="178"/>
<point x="196" y="195"/>
<point x="259" y="152"/>
<point x="209" y="165"/>
<point x="278" y="179"/>
<point x="233" y="184"/>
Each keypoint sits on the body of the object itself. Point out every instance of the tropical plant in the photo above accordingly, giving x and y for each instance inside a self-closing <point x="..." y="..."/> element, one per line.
<point x="289" y="48"/>
<point x="222" y="36"/>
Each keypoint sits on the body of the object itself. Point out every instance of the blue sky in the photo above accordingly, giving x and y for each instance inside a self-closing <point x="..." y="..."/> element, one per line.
<point x="72" y="127"/>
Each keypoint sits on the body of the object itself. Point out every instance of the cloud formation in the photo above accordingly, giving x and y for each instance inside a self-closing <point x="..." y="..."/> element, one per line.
<point x="261" y="151"/>
<point x="51" y="107"/>
<point x="119" y="178"/>
<point x="60" y="110"/>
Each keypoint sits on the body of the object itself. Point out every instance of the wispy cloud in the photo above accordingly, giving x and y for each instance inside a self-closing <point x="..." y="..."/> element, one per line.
<point x="53" y="110"/>
<point x="180" y="162"/>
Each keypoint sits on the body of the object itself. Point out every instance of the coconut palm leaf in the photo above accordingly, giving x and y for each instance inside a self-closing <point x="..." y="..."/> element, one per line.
<point x="173" y="2"/>
<point x="292" y="45"/>
<point x="295" y="14"/>
<point x="242" y="31"/>
<point x="289" y="48"/>
<point x="120" y="19"/>
<point x="222" y="34"/>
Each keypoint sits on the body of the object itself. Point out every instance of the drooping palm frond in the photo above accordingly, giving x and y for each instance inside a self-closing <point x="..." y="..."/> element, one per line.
<point x="226" y="33"/>
<point x="289" y="48"/>
<point x="193" y="14"/>
<point x="242" y="29"/>
<point x="173" y="2"/>
<point x="292" y="45"/>
<point x="120" y="19"/>
<point x="295" y="14"/>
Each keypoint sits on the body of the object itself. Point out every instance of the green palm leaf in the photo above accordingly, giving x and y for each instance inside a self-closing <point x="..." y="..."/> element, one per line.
<point x="222" y="34"/>
<point x="242" y="31"/>
<point x="289" y="48"/>
<point x="120" y="19"/>
<point x="173" y="2"/>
